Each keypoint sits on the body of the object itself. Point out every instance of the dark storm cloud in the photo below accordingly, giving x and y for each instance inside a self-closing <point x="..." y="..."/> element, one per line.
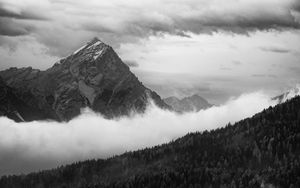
<point x="131" y="63"/>
<point x="296" y="6"/>
<point x="21" y="15"/>
<point x="118" y="21"/>
<point x="234" y="20"/>
<point x="11" y="23"/>
<point x="238" y="25"/>
<point x="275" y="49"/>
<point x="9" y="27"/>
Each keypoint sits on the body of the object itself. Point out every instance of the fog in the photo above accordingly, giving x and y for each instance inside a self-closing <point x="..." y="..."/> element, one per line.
<point x="32" y="146"/>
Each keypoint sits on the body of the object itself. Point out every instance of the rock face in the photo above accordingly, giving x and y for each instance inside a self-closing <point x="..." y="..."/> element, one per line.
<point x="13" y="106"/>
<point x="187" y="104"/>
<point x="93" y="76"/>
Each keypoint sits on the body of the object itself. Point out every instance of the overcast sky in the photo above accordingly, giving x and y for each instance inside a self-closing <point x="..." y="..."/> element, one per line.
<point x="214" y="48"/>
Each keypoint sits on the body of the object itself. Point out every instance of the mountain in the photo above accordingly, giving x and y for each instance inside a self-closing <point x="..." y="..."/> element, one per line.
<point x="187" y="104"/>
<point x="93" y="76"/>
<point x="261" y="151"/>
<point x="12" y="106"/>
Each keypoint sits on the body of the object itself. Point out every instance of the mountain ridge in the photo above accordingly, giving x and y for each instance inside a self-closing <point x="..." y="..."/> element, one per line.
<point x="93" y="76"/>
<point x="188" y="104"/>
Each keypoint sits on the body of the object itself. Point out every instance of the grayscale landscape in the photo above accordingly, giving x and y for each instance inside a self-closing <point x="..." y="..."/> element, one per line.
<point x="161" y="93"/>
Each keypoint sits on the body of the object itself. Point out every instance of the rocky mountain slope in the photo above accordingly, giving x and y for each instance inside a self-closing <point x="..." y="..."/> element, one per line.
<point x="14" y="107"/>
<point x="262" y="151"/>
<point x="187" y="104"/>
<point x="93" y="76"/>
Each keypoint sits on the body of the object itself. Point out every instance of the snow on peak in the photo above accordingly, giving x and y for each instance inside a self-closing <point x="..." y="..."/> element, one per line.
<point x="91" y="44"/>
<point x="97" y="54"/>
<point x="95" y="47"/>
<point x="95" y="44"/>
<point x="79" y="49"/>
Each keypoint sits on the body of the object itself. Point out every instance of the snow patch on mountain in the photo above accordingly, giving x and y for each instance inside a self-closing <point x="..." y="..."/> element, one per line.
<point x="78" y="50"/>
<point x="95" y="44"/>
<point x="97" y="54"/>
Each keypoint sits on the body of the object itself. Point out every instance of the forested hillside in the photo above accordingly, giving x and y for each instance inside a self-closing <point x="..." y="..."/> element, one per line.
<point x="261" y="151"/>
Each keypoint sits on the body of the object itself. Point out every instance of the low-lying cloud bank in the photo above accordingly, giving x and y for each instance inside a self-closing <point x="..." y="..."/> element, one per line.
<point x="33" y="146"/>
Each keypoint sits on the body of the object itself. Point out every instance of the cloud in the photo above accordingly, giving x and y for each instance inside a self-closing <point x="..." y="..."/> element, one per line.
<point x="38" y="145"/>
<point x="15" y="20"/>
<point x="264" y="75"/>
<point x="21" y="15"/>
<point x="295" y="70"/>
<point x="275" y="49"/>
<point x="258" y="75"/>
<point x="131" y="63"/>
<point x="272" y="76"/>
<point x="11" y="28"/>
<point x="24" y="52"/>
<point x="225" y="68"/>
<point x="122" y="21"/>
<point x="236" y="62"/>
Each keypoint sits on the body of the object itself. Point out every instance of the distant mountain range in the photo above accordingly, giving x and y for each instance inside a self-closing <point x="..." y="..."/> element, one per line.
<point x="188" y="104"/>
<point x="262" y="151"/>
<point x="93" y="76"/>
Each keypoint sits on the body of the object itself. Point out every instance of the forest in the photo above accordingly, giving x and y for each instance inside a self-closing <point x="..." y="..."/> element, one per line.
<point x="261" y="151"/>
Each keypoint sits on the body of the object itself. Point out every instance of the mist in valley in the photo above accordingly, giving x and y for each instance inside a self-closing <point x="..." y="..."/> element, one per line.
<point x="37" y="145"/>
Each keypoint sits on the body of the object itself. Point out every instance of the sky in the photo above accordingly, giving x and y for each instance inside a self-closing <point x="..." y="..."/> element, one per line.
<point x="215" y="48"/>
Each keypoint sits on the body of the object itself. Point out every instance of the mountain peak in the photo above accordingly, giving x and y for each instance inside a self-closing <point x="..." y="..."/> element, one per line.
<point x="187" y="104"/>
<point x="95" y="39"/>
<point x="94" y="45"/>
<point x="93" y="76"/>
<point x="195" y="97"/>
